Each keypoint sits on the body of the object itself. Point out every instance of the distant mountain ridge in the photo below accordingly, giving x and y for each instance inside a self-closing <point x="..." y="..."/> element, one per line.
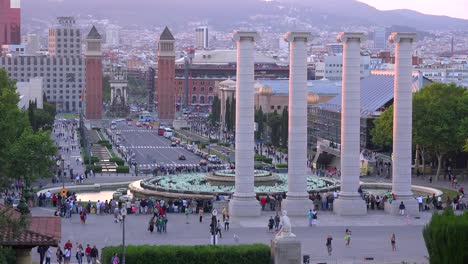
<point x="280" y="15"/>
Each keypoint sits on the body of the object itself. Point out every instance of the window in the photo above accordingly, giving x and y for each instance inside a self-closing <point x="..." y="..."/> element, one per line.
<point x="194" y="88"/>
<point x="210" y="89"/>
<point x="202" y="99"/>
<point x="202" y="89"/>
<point x="194" y="99"/>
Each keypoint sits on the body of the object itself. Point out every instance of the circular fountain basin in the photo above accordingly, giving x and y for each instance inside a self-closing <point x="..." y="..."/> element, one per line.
<point x="227" y="177"/>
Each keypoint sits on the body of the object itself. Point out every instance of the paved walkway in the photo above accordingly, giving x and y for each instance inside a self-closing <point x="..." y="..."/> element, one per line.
<point x="370" y="235"/>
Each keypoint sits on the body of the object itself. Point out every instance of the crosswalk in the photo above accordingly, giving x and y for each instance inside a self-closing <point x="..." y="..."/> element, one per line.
<point x="154" y="147"/>
<point x="138" y="130"/>
<point x="175" y="165"/>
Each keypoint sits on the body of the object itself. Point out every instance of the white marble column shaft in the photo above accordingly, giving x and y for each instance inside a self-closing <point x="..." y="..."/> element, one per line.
<point x="297" y="201"/>
<point x="244" y="202"/>
<point x="349" y="201"/>
<point x="402" y="114"/>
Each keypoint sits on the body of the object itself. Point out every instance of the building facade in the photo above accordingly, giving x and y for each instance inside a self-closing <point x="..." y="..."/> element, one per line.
<point x="331" y="68"/>
<point x="64" y="38"/>
<point x="165" y="87"/>
<point x="10" y="22"/>
<point x="93" y="91"/>
<point x="201" y="34"/>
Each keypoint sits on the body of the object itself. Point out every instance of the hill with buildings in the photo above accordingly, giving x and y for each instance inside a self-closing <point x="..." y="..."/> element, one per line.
<point x="227" y="14"/>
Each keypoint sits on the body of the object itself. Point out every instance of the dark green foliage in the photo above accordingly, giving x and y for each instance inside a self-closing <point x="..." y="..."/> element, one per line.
<point x="242" y="254"/>
<point x="263" y="158"/>
<point x="119" y="161"/>
<point x="446" y="237"/>
<point x="95" y="168"/>
<point x="274" y="122"/>
<point x="281" y="166"/>
<point x="215" y="111"/>
<point x="123" y="169"/>
<point x="93" y="159"/>
<point x="7" y="255"/>
<point x="284" y="128"/>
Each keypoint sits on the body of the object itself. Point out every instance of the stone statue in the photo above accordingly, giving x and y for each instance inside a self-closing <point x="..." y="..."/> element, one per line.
<point x="285" y="230"/>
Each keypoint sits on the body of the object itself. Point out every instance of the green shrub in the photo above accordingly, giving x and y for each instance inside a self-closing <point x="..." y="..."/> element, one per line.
<point x="268" y="160"/>
<point x="7" y="255"/>
<point x="214" y="140"/>
<point x="119" y="161"/>
<point x="95" y="168"/>
<point x="123" y="169"/>
<point x="446" y="237"/>
<point x="94" y="159"/>
<point x="259" y="157"/>
<point x="205" y="254"/>
<point x="103" y="142"/>
<point x="281" y="166"/>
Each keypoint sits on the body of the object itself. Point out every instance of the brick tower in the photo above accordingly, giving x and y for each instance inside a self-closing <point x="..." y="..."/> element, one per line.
<point x="93" y="92"/>
<point x="165" y="87"/>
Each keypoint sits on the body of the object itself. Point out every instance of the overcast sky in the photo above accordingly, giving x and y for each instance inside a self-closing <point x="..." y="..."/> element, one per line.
<point x="453" y="8"/>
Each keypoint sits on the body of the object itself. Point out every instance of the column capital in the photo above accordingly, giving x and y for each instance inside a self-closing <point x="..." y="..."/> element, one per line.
<point x="244" y="35"/>
<point x="297" y="35"/>
<point x="343" y="37"/>
<point x="397" y="37"/>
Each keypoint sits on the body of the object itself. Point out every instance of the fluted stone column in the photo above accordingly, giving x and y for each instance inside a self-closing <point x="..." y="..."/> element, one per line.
<point x="244" y="202"/>
<point x="402" y="124"/>
<point x="297" y="201"/>
<point x="349" y="201"/>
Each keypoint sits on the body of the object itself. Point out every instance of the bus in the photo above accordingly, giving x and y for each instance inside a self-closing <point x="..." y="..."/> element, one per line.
<point x="168" y="132"/>
<point x="148" y="118"/>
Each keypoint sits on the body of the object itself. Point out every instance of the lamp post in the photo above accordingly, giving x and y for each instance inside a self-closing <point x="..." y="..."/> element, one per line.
<point x="214" y="223"/>
<point x="123" y="212"/>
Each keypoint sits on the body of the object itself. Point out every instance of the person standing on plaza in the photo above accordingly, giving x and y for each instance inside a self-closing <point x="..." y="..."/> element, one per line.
<point x="94" y="255"/>
<point x="67" y="254"/>
<point x="187" y="212"/>
<point x="59" y="255"/>
<point x="309" y="216"/>
<point x="314" y="217"/>
<point x="271" y="223"/>
<point x="151" y="225"/>
<point x="420" y="203"/>
<point x="115" y="259"/>
<point x="79" y="253"/>
<point x="200" y="213"/>
<point x="226" y="223"/>
<point x="88" y="253"/>
<point x="347" y="237"/>
<point x="277" y="221"/>
<point x="393" y="242"/>
<point x="48" y="255"/>
<point x="329" y="244"/>
<point x="402" y="208"/>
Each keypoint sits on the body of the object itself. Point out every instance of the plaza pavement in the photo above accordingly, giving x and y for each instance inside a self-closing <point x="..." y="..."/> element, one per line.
<point x="370" y="234"/>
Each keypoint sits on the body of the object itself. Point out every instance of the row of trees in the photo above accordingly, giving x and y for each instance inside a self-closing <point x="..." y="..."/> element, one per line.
<point x="26" y="149"/>
<point x="440" y="123"/>
<point x="274" y="125"/>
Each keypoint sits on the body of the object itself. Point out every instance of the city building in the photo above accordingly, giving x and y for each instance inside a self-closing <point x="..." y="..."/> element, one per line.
<point x="331" y="68"/>
<point x="201" y="34"/>
<point x="150" y="75"/>
<point x="201" y="90"/>
<point x="165" y="86"/>
<point x="63" y="74"/>
<point x="93" y="89"/>
<point x="334" y="48"/>
<point x="10" y="22"/>
<point x="64" y="38"/>
<point x="119" y="85"/>
<point x="112" y="36"/>
<point x="31" y="91"/>
<point x="380" y="39"/>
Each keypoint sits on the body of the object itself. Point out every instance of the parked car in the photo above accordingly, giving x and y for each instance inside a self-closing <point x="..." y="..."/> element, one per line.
<point x="189" y="147"/>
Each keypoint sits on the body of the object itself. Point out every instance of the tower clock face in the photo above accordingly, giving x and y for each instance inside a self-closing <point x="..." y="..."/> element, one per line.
<point x="15" y="3"/>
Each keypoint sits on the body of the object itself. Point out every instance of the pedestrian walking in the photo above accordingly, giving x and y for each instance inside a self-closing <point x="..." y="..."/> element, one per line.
<point x="402" y="208"/>
<point x="393" y="242"/>
<point x="271" y="223"/>
<point x="314" y="217"/>
<point x="59" y="255"/>
<point x="309" y="217"/>
<point x="115" y="259"/>
<point x="329" y="244"/>
<point x="94" y="255"/>
<point x="226" y="223"/>
<point x="347" y="237"/>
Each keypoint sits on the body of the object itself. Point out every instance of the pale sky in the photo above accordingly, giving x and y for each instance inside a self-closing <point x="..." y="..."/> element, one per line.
<point x="453" y="8"/>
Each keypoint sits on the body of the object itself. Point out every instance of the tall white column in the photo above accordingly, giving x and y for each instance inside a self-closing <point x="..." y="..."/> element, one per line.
<point x="402" y="123"/>
<point x="244" y="202"/>
<point x="297" y="201"/>
<point x="349" y="201"/>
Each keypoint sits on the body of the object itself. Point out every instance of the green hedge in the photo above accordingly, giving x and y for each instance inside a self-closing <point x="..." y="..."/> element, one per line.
<point x="103" y="142"/>
<point x="241" y="254"/>
<point x="446" y="237"/>
<point x="93" y="159"/>
<point x="119" y="161"/>
<point x="123" y="169"/>
<point x="281" y="166"/>
<point x="214" y="140"/>
<point x="95" y="168"/>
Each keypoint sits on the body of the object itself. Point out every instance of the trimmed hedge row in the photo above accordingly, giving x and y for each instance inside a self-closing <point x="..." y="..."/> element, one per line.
<point x="93" y="159"/>
<point x="446" y="237"/>
<point x="281" y="165"/>
<point x="203" y="254"/>
<point x="263" y="158"/>
<point x="95" y="168"/>
<point x="123" y="169"/>
<point x="119" y="161"/>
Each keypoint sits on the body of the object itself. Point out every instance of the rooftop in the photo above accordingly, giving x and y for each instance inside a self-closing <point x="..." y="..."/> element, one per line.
<point x="93" y="34"/>
<point x="225" y="57"/>
<point x="166" y="35"/>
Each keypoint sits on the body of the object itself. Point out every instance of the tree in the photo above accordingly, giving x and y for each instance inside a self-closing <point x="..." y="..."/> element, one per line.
<point x="12" y="123"/>
<point x="106" y="89"/>
<point x="227" y="115"/>
<point x="382" y="133"/>
<point x="233" y="113"/>
<point x="437" y="111"/>
<point x="31" y="157"/>
<point x="274" y="122"/>
<point x="260" y="119"/>
<point x="215" y="111"/>
<point x="284" y="128"/>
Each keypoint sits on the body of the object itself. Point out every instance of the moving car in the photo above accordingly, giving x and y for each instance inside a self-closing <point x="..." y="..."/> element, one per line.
<point x="173" y="144"/>
<point x="214" y="159"/>
<point x="138" y="124"/>
<point x="129" y="123"/>
<point x="161" y="131"/>
<point x="181" y="157"/>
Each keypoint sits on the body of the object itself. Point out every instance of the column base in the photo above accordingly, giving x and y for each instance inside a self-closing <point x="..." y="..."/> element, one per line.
<point x="349" y="206"/>
<point x="297" y="206"/>
<point x="244" y="207"/>
<point x="411" y="206"/>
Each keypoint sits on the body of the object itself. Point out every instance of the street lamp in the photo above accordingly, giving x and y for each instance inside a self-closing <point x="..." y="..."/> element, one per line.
<point x="214" y="223"/>
<point x="123" y="212"/>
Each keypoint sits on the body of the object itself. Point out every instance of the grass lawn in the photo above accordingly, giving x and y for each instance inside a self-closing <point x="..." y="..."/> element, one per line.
<point x="449" y="193"/>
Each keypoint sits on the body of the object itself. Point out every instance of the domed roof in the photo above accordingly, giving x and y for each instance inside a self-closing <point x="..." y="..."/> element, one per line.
<point x="227" y="82"/>
<point x="312" y="98"/>
<point x="265" y="90"/>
